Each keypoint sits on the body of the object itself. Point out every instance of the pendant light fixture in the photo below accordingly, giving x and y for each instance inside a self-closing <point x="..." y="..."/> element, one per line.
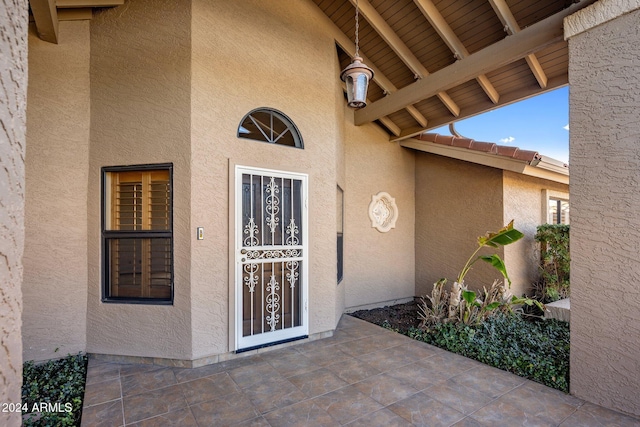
<point x="357" y="76"/>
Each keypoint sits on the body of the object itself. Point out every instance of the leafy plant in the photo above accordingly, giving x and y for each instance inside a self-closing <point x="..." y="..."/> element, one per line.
<point x="462" y="305"/>
<point x="58" y="382"/>
<point x="505" y="236"/>
<point x="554" y="262"/>
<point x="538" y="350"/>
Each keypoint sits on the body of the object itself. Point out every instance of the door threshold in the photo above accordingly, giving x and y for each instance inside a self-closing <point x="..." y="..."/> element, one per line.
<point x="271" y="344"/>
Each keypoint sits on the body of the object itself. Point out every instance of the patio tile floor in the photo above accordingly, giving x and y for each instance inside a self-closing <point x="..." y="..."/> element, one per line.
<point x="362" y="376"/>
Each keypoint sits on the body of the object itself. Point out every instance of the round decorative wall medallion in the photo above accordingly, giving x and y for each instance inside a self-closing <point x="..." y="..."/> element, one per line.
<point x="383" y="212"/>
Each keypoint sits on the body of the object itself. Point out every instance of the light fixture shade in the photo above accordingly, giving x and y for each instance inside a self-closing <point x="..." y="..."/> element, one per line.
<point x="357" y="76"/>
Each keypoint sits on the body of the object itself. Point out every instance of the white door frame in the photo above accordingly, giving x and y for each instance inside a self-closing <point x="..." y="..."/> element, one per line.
<point x="241" y="254"/>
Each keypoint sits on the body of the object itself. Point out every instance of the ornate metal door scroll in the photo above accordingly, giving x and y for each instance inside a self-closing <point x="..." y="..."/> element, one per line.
<point x="271" y="256"/>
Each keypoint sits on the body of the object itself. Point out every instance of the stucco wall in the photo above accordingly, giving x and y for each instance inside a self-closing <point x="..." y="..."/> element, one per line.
<point x="523" y="202"/>
<point x="456" y="202"/>
<point x="140" y="114"/>
<point x="604" y="74"/>
<point x="13" y="80"/>
<point x="378" y="267"/>
<point x="55" y="255"/>
<point x="251" y="54"/>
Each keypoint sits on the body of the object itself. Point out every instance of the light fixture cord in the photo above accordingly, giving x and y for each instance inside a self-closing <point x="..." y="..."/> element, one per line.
<point x="357" y="28"/>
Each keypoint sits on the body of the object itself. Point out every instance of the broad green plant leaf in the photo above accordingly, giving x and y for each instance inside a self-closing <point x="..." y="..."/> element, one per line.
<point x="497" y="262"/>
<point x="469" y="297"/>
<point x="505" y="236"/>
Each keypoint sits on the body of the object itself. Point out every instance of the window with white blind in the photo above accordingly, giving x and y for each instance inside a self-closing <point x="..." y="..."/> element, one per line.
<point x="137" y="234"/>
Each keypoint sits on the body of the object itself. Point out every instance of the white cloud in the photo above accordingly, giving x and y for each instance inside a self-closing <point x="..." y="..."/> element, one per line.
<point x="565" y="127"/>
<point x="507" y="140"/>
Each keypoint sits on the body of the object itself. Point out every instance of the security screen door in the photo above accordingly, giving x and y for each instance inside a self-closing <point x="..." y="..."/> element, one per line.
<point x="271" y="257"/>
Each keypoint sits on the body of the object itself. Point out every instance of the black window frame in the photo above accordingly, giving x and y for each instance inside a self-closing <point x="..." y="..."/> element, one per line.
<point x="283" y="118"/>
<point x="107" y="235"/>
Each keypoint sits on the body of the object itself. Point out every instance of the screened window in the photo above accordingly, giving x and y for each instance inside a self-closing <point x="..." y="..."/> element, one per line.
<point x="137" y="234"/>
<point x="267" y="125"/>
<point x="558" y="211"/>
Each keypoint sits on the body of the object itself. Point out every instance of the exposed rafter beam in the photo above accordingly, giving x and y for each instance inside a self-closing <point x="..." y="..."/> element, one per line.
<point x="482" y="107"/>
<point x="510" y="49"/>
<point x="381" y="80"/>
<point x="386" y="121"/>
<point x="88" y="3"/>
<point x="437" y="21"/>
<point x="511" y="27"/>
<point x="401" y="49"/>
<point x="45" y="15"/>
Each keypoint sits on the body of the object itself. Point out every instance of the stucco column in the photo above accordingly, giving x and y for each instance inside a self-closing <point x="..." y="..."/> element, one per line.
<point x="13" y="80"/>
<point x="604" y="78"/>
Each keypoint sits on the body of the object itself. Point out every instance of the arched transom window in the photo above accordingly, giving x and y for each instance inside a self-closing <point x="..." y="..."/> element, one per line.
<point x="272" y="126"/>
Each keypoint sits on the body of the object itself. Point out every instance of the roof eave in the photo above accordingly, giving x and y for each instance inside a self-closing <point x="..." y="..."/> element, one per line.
<point x="546" y="168"/>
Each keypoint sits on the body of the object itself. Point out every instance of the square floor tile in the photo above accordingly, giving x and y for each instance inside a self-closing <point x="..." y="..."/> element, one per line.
<point x="102" y="392"/>
<point x="147" y="381"/>
<point x="291" y="365"/>
<point x="383" y="417"/>
<point x="353" y="370"/>
<point x="317" y="382"/>
<point x="267" y="396"/>
<point x="180" y="418"/>
<point x="227" y="410"/>
<point x="153" y="403"/>
<point x="459" y="397"/>
<point x="247" y="376"/>
<point x="421" y="410"/>
<point x="208" y="388"/>
<point x="347" y="404"/>
<point x="104" y="415"/>
<point x="385" y="389"/>
<point x="302" y="414"/>
<point x="597" y="416"/>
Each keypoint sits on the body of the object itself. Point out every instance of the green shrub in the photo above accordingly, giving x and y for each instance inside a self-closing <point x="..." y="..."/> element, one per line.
<point x="537" y="350"/>
<point x="554" y="262"/>
<point x="58" y="382"/>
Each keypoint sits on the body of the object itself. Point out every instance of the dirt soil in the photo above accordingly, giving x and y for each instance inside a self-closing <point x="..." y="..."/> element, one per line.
<point x="399" y="316"/>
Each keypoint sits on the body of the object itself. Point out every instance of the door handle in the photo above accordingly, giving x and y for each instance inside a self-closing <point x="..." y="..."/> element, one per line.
<point x="243" y="251"/>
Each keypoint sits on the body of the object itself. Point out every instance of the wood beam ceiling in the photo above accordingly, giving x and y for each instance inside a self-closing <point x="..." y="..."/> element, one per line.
<point x="511" y="27"/>
<point x="381" y="80"/>
<point x="510" y="49"/>
<point x="437" y="21"/>
<point x="483" y="107"/>
<point x="400" y="48"/>
<point x="45" y="15"/>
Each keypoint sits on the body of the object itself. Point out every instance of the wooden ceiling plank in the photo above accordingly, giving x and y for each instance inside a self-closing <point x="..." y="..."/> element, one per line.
<point x="435" y="18"/>
<point x="511" y="26"/>
<point x="417" y="115"/>
<point x="45" y="15"/>
<point x="381" y="80"/>
<point x="62" y="4"/>
<point x="388" y="123"/>
<point x="474" y="110"/>
<point x="400" y="48"/>
<point x="512" y="48"/>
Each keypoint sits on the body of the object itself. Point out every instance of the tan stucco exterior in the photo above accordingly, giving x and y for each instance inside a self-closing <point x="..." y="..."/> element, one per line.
<point x="57" y="165"/>
<point x="168" y="83"/>
<point x="13" y="102"/>
<point x="605" y="195"/>
<point x="525" y="202"/>
<point x="458" y="201"/>
<point x="378" y="267"/>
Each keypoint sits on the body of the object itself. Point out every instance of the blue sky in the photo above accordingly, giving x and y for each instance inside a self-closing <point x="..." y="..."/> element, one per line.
<point x="539" y="123"/>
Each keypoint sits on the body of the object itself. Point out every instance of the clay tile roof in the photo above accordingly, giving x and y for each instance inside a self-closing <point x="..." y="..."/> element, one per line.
<point x="487" y="147"/>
